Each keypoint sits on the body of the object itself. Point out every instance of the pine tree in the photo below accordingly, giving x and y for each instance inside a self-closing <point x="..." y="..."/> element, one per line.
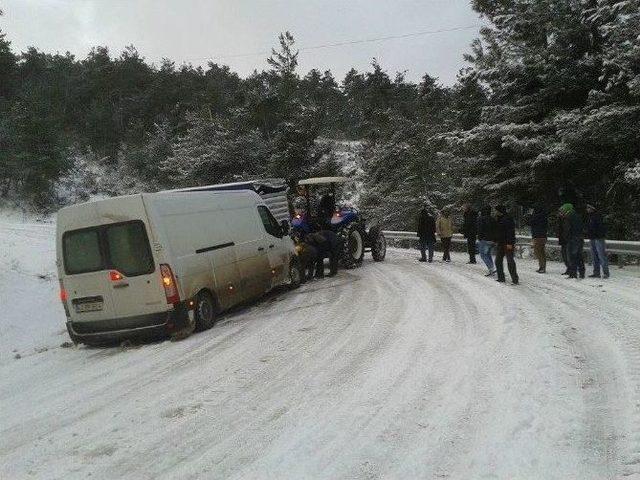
<point x="560" y="113"/>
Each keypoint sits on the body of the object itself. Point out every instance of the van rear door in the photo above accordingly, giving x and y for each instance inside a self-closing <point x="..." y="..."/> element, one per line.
<point x="85" y="280"/>
<point x="139" y="291"/>
<point x="110" y="272"/>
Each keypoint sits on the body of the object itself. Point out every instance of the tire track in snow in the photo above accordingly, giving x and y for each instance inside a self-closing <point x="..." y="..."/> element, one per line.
<point x="599" y="379"/>
<point x="619" y="322"/>
<point x="599" y="414"/>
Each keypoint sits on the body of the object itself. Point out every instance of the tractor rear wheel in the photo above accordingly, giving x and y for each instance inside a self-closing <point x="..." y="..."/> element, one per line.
<point x="352" y="247"/>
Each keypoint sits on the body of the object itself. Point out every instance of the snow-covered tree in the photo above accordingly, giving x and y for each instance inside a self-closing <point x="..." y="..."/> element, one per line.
<point x="562" y="110"/>
<point x="213" y="151"/>
<point x="81" y="180"/>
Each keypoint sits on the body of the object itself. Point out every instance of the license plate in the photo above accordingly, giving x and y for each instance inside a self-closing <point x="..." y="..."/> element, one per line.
<point x="88" y="307"/>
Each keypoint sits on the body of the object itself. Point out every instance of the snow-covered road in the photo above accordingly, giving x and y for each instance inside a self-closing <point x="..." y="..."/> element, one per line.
<point x="395" y="370"/>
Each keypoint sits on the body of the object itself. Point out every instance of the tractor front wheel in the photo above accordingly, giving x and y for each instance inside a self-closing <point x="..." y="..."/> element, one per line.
<point x="352" y="246"/>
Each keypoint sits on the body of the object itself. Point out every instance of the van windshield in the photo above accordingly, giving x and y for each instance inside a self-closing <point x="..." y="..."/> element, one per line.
<point x="123" y="247"/>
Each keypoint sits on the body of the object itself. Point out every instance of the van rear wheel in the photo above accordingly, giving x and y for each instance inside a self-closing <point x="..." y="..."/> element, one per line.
<point x="205" y="311"/>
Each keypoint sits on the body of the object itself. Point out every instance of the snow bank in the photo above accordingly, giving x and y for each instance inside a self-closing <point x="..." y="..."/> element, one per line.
<point x="31" y="317"/>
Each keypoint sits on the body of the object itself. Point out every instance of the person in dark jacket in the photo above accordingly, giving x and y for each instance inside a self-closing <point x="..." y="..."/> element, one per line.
<point x="506" y="242"/>
<point x="539" y="227"/>
<point x="327" y="245"/>
<point x="575" y="240"/>
<point x="426" y="234"/>
<point x="562" y="241"/>
<point x="470" y="230"/>
<point x="596" y="233"/>
<point x="486" y="238"/>
<point x="326" y="208"/>
<point x="307" y="255"/>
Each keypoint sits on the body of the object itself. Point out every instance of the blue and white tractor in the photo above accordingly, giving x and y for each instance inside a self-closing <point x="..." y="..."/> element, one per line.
<point x="315" y="209"/>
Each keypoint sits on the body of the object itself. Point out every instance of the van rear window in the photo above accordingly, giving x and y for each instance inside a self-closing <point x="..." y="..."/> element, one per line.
<point x="121" y="246"/>
<point x="128" y="249"/>
<point x="82" y="252"/>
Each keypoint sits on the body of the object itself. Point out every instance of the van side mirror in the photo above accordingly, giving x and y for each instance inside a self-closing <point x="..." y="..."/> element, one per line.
<point x="284" y="226"/>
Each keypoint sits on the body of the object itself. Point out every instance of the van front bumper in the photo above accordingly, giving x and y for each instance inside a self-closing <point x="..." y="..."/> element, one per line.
<point x="149" y="325"/>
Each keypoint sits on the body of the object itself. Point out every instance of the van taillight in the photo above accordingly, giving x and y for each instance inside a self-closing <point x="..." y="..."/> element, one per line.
<point x="169" y="284"/>
<point x="64" y="296"/>
<point x="115" y="276"/>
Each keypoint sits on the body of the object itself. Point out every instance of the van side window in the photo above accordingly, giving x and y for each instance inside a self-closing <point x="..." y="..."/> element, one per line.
<point x="269" y="222"/>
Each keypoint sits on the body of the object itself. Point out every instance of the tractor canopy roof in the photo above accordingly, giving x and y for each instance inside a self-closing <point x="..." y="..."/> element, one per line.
<point x="324" y="180"/>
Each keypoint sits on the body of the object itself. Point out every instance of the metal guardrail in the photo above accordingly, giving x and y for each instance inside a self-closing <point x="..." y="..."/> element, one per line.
<point x="620" y="247"/>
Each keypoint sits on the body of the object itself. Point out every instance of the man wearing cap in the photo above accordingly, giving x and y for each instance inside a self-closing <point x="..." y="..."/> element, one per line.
<point x="596" y="233"/>
<point x="506" y="241"/>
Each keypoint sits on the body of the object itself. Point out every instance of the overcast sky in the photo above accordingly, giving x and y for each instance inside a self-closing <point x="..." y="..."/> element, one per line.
<point x="225" y="31"/>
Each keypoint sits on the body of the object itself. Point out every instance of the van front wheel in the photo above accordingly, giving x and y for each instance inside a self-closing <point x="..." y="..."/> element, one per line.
<point x="205" y="311"/>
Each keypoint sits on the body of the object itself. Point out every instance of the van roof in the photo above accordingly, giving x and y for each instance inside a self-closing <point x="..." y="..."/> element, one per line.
<point x="74" y="215"/>
<point x="120" y="198"/>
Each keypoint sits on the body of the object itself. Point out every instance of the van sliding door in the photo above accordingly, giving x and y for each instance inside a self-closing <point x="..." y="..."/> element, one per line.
<point x="251" y="251"/>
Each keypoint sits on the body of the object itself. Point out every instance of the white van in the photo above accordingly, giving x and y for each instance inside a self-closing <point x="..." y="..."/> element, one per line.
<point x="158" y="262"/>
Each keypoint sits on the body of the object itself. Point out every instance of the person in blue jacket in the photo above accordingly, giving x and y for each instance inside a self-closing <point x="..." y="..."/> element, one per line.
<point x="486" y="238"/>
<point x="596" y="233"/>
